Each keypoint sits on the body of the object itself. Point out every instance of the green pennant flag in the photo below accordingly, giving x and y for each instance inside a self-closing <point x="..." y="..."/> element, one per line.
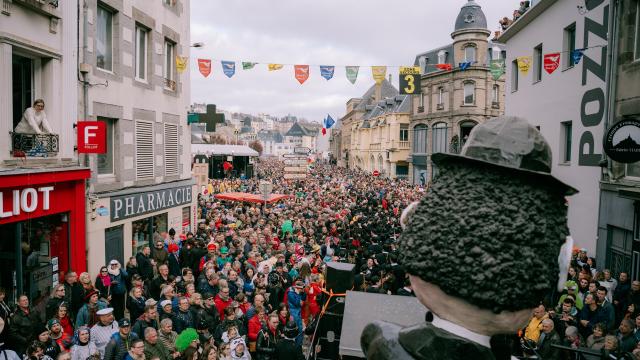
<point x="497" y="68"/>
<point x="352" y="73"/>
<point x="248" y="65"/>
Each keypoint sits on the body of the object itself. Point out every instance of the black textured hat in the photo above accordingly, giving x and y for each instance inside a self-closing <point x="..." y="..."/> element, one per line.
<point x="508" y="142"/>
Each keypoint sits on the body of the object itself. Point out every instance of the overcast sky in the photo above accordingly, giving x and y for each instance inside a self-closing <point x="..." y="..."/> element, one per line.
<point x="326" y="32"/>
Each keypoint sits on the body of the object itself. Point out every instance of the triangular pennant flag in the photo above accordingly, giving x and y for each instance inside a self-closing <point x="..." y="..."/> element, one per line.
<point x="464" y="65"/>
<point x="329" y="122"/>
<point x="524" y="64"/>
<point x="301" y="72"/>
<point x="352" y="73"/>
<point x="551" y="62"/>
<point x="497" y="68"/>
<point x="229" y="68"/>
<point x="181" y="63"/>
<point x="205" y="66"/>
<point x="327" y="71"/>
<point x="445" y="67"/>
<point x="379" y="73"/>
<point x="248" y="65"/>
<point x="274" y="67"/>
<point x="577" y="55"/>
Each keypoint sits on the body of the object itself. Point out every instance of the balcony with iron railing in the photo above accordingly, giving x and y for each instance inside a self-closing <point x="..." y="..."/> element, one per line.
<point x="34" y="145"/>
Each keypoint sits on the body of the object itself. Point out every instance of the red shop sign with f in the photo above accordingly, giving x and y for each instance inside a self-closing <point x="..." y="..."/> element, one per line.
<point x="92" y="137"/>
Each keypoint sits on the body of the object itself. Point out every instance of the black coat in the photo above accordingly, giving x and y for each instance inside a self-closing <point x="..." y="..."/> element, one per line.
<point x="266" y="344"/>
<point x="144" y="266"/>
<point x="209" y="316"/>
<point x="546" y="351"/>
<point x="135" y="307"/>
<point x="288" y="350"/>
<point x="117" y="348"/>
<point x="22" y="330"/>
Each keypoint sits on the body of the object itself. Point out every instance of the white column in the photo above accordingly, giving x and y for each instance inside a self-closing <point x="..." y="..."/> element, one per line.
<point x="6" y="96"/>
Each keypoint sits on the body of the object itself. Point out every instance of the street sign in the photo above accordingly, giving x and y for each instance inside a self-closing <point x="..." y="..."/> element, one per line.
<point x="301" y="150"/>
<point x="295" y="176"/>
<point x="410" y="80"/>
<point x="294" y="156"/>
<point x="376" y="173"/>
<point x="290" y="162"/>
<point x="295" y="169"/>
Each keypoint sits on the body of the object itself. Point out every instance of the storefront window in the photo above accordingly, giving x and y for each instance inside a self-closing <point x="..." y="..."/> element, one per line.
<point x="146" y="230"/>
<point x="33" y="253"/>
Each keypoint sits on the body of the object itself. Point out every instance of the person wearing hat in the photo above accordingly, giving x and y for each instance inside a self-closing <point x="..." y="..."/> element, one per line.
<point x="571" y="288"/>
<point x="471" y="277"/>
<point x="87" y="314"/>
<point x="120" y="342"/>
<point x="239" y="349"/>
<point x="166" y="312"/>
<point x="224" y="257"/>
<point x="211" y="255"/>
<point x="287" y="348"/>
<point x="102" y="331"/>
<point x="118" y="277"/>
<point x="50" y="346"/>
<point x="57" y="334"/>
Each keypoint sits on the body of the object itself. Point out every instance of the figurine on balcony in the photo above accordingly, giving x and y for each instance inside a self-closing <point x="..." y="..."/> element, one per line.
<point x="34" y="120"/>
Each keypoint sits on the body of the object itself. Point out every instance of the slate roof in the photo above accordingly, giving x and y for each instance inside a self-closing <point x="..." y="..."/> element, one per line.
<point x="300" y="130"/>
<point x="471" y="17"/>
<point x="387" y="90"/>
<point x="270" y="135"/>
<point x="393" y="105"/>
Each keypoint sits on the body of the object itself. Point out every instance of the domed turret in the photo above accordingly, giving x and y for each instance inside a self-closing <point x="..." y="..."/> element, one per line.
<point x="471" y="17"/>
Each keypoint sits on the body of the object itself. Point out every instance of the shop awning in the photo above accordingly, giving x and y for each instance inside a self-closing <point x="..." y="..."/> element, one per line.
<point x="215" y="149"/>
<point x="253" y="198"/>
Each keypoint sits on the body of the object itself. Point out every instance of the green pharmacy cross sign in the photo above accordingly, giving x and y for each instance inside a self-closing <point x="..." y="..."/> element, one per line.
<point x="211" y="118"/>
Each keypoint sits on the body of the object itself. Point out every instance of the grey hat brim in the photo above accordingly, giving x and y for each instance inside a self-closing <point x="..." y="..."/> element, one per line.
<point x="439" y="158"/>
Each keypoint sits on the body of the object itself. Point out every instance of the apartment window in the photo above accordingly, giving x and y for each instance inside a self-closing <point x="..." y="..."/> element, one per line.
<point x="514" y="75"/>
<point x="569" y="44"/>
<point x="440" y="95"/>
<point x="439" y="141"/>
<point x="469" y="93"/>
<point x="495" y="94"/>
<point x="142" y="35"/>
<point x="470" y="54"/>
<point x="169" y="55"/>
<point x="566" y="141"/>
<point x="420" y="139"/>
<point x="144" y="149"/>
<point x="442" y="57"/>
<point x="537" y="63"/>
<point x="105" y="161"/>
<point x="104" y="39"/>
<point x="22" y="72"/>
<point x="171" y="155"/>
<point x="404" y="132"/>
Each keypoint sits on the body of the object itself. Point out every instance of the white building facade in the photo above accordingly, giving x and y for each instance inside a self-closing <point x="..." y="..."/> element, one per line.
<point x="569" y="105"/>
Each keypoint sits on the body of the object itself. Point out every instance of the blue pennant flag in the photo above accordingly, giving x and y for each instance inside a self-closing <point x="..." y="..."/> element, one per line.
<point x="464" y="65"/>
<point x="229" y="68"/>
<point x="328" y="122"/>
<point x="577" y="55"/>
<point x="327" y="71"/>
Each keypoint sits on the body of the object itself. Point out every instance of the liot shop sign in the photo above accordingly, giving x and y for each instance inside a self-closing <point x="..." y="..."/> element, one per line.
<point x="127" y="206"/>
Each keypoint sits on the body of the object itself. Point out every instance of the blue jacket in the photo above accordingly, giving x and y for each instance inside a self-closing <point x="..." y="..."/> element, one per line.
<point x="82" y="319"/>
<point x="119" y="282"/>
<point x="294" y="299"/>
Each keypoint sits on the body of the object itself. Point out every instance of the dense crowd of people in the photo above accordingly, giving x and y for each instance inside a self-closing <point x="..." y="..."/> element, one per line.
<point x="247" y="283"/>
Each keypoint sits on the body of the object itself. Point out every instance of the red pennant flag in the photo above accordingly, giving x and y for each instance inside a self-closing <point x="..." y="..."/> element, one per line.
<point x="205" y="66"/>
<point x="324" y="131"/>
<point x="445" y="67"/>
<point x="302" y="73"/>
<point x="551" y="62"/>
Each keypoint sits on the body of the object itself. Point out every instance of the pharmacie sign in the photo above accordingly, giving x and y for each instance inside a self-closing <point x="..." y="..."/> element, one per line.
<point x="127" y="206"/>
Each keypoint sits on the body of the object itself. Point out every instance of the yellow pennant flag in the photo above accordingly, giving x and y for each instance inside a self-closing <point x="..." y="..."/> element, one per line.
<point x="524" y="64"/>
<point x="181" y="63"/>
<point x="379" y="73"/>
<point x="274" y="67"/>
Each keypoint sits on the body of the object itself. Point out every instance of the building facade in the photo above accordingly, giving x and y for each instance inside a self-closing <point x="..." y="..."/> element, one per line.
<point x="42" y="182"/>
<point x="142" y="187"/>
<point x="454" y="101"/>
<point x="300" y="135"/>
<point x="568" y="105"/>
<point x="618" y="246"/>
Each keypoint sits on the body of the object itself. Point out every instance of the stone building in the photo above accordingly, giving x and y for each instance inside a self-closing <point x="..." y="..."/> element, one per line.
<point x="454" y="101"/>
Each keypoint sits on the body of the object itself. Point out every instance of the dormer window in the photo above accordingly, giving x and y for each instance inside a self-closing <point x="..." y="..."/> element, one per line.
<point x="442" y="57"/>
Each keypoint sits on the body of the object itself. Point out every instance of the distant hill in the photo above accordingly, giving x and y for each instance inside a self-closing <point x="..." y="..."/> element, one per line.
<point x="627" y="143"/>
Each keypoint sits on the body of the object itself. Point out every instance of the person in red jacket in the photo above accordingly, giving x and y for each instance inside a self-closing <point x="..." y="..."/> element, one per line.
<point x="222" y="301"/>
<point x="256" y="323"/>
<point x="313" y="292"/>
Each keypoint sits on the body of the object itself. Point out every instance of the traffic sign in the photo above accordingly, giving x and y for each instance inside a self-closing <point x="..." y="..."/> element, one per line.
<point x="294" y="156"/>
<point x="290" y="162"/>
<point x="376" y="173"/>
<point x="295" y="176"/>
<point x="410" y="80"/>
<point x="295" y="169"/>
<point x="301" y="150"/>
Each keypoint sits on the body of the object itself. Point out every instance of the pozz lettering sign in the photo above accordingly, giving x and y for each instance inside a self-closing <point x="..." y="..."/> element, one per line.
<point x="92" y="137"/>
<point x="123" y="207"/>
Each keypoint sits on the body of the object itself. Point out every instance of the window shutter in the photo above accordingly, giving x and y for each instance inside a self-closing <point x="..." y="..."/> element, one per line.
<point x="144" y="150"/>
<point x="171" y="155"/>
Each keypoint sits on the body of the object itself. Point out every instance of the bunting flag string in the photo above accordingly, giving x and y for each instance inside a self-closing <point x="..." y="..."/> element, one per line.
<point x="551" y="62"/>
<point x="327" y="71"/>
<point x="464" y="65"/>
<point x="229" y="68"/>
<point x="352" y="73"/>
<point x="204" y="65"/>
<point x="379" y="73"/>
<point x="301" y="73"/>
<point x="577" y="55"/>
<point x="248" y="65"/>
<point x="275" y="67"/>
<point x="497" y="68"/>
<point x="181" y="63"/>
<point x="524" y="64"/>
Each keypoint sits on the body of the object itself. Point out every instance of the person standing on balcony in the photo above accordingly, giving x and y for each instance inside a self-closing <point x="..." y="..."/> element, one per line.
<point x="34" y="120"/>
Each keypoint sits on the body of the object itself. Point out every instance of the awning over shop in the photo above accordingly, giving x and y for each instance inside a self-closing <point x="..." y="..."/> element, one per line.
<point x="253" y="198"/>
<point x="216" y="149"/>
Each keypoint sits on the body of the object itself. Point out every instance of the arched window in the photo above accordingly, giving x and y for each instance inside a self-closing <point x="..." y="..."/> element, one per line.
<point x="439" y="141"/>
<point x="470" y="53"/>
<point x="465" y="130"/>
<point x="469" y="93"/>
<point x="442" y="57"/>
<point x="420" y="139"/>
